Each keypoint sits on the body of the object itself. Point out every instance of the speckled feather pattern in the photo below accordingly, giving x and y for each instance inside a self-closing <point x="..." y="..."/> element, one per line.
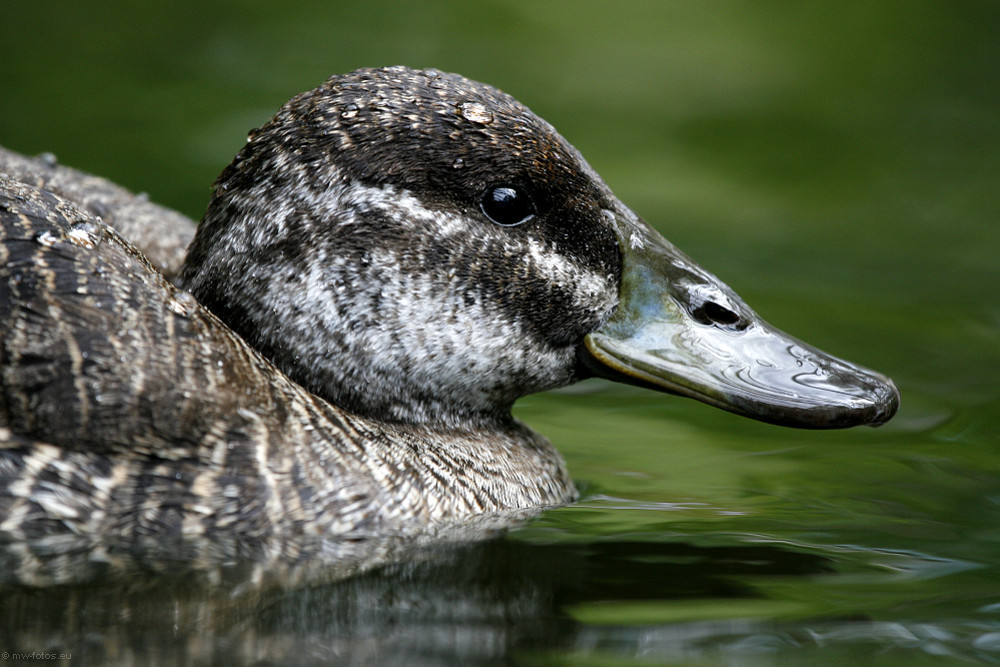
<point x="201" y="433"/>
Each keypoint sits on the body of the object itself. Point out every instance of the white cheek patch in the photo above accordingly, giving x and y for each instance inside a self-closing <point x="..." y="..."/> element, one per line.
<point x="427" y="334"/>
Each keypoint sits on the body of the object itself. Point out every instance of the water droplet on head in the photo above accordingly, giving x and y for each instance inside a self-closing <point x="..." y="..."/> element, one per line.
<point x="182" y="303"/>
<point x="475" y="112"/>
<point x="435" y="79"/>
<point x="350" y="111"/>
<point x="458" y="163"/>
<point x="85" y="234"/>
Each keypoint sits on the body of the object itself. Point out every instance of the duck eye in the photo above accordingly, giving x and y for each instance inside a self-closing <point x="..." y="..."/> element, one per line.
<point x="507" y="205"/>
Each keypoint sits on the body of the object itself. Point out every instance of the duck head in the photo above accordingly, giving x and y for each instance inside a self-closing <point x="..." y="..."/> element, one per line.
<point x="418" y="247"/>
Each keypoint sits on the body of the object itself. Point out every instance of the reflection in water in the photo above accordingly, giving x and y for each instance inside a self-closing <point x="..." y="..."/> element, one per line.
<point x="429" y="600"/>
<point x="422" y="600"/>
<point x="842" y="641"/>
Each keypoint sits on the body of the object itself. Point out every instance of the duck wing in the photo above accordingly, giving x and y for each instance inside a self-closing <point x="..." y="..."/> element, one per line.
<point x="162" y="234"/>
<point x="122" y="397"/>
<point x="97" y="349"/>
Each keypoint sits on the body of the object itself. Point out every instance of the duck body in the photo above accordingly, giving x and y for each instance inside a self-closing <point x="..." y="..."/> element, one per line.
<point x="385" y="267"/>
<point x="229" y="442"/>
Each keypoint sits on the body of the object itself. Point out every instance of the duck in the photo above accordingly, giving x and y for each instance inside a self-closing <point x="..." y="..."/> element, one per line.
<point x="386" y="266"/>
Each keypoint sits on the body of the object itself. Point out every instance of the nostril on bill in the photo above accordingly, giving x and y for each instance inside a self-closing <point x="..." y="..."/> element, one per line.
<point x="711" y="312"/>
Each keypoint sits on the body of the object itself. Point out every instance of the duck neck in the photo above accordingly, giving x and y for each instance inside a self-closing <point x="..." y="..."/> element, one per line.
<point x="471" y="472"/>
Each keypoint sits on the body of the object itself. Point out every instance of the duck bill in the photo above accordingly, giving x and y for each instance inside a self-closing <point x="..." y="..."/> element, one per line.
<point x="679" y="329"/>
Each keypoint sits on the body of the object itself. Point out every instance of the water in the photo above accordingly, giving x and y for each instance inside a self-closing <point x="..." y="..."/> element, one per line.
<point x="836" y="164"/>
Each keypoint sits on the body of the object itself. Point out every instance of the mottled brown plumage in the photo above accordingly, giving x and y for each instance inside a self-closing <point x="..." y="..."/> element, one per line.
<point x="129" y="409"/>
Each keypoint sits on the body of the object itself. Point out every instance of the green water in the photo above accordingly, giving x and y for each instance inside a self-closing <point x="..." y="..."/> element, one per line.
<point x="837" y="164"/>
